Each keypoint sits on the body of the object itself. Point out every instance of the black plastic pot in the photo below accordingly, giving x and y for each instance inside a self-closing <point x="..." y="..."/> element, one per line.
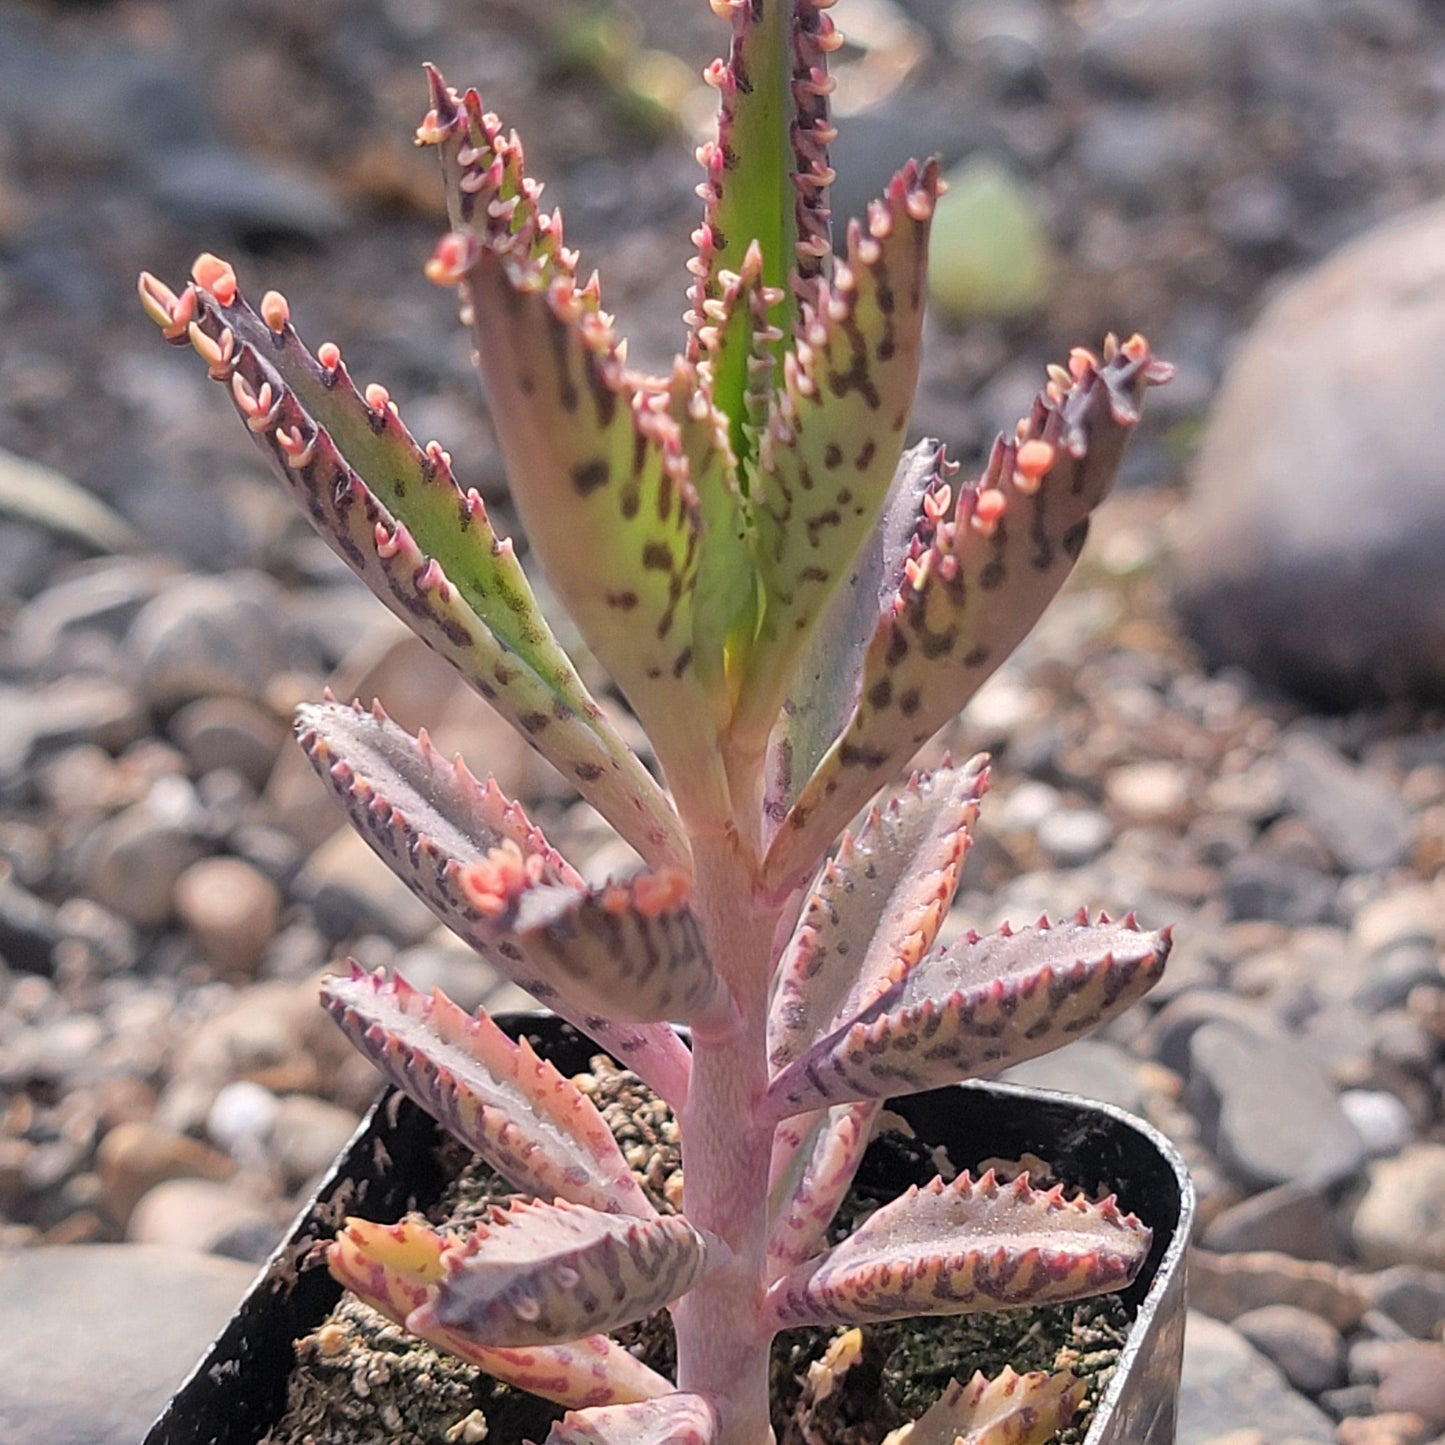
<point x="238" y="1390"/>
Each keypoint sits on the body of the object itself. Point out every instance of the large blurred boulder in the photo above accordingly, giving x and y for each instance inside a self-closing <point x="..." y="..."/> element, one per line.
<point x="1314" y="550"/>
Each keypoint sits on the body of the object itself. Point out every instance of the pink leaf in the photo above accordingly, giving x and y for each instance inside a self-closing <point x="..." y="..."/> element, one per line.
<point x="1010" y="1409"/>
<point x="537" y="1274"/>
<point x="470" y="855"/>
<point x="964" y="1247"/>
<point x="680" y="1419"/>
<point x="394" y="1269"/>
<point x="533" y="1126"/>
<point x="877" y="907"/>
<point x="974" y="1008"/>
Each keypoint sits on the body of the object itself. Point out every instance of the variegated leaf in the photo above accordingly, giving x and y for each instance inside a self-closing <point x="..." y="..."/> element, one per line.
<point x="597" y="468"/>
<point x="536" y="1128"/>
<point x="836" y="433"/>
<point x="680" y="1419"/>
<point x="538" y="1274"/>
<point x="773" y="86"/>
<point x="961" y="1248"/>
<point x="815" y="1157"/>
<point x="394" y="1269"/>
<point x="1010" y="1409"/>
<point x="468" y="853"/>
<point x="971" y="1009"/>
<point x="395" y="514"/>
<point x="877" y="907"/>
<point x="825" y="683"/>
<point x="980" y="575"/>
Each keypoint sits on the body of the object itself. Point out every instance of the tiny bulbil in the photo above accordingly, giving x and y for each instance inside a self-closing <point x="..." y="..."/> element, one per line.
<point x="791" y="604"/>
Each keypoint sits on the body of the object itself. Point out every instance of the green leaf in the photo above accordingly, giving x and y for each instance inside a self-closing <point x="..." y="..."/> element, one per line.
<point x="596" y="462"/>
<point x="395" y="514"/>
<point x="836" y="433"/>
<point x="977" y="578"/>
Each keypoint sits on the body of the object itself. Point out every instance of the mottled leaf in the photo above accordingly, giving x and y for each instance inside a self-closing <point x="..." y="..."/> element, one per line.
<point x="394" y="1268"/>
<point x="394" y="513"/>
<point x="971" y="1009"/>
<point x="961" y="1248"/>
<point x="877" y="907"/>
<point x="468" y="854"/>
<point x="597" y="468"/>
<point x="680" y="1419"/>
<point x="536" y="1128"/>
<point x="978" y="576"/>
<point x="537" y="1274"/>
<point x="826" y="680"/>
<point x="815" y="1157"/>
<point x="1010" y="1409"/>
<point x="835" y="435"/>
<point x="767" y="169"/>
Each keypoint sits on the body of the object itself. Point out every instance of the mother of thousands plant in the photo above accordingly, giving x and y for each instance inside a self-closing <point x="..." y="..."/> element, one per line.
<point x="791" y="603"/>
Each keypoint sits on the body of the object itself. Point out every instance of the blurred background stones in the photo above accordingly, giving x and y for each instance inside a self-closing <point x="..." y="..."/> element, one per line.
<point x="1230" y="720"/>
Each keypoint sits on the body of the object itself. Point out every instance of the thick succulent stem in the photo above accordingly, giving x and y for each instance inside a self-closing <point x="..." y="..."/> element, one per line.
<point x="722" y="1351"/>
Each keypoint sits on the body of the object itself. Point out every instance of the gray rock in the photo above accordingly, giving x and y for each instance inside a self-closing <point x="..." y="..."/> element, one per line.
<point x="306" y="1136"/>
<point x="1130" y="151"/>
<point x="352" y="891"/>
<point x="1091" y="1067"/>
<point x="103" y="596"/>
<point x="1075" y="835"/>
<point x="208" y="635"/>
<point x="1267" y="1110"/>
<point x="1309" y="1351"/>
<point x="95" y="1338"/>
<point x="38" y="721"/>
<point x="1277" y="889"/>
<point x="231" y="909"/>
<point x="28" y="928"/>
<point x="1412" y="914"/>
<point x="1410" y="1378"/>
<point x="1412" y="1296"/>
<point x="1360" y="817"/>
<point x="1289" y="1219"/>
<point x="131" y="863"/>
<point x="1400" y="1218"/>
<point x="1311" y="497"/>
<point x="229" y="732"/>
<point x="1380" y="1119"/>
<point x="1227" y="1384"/>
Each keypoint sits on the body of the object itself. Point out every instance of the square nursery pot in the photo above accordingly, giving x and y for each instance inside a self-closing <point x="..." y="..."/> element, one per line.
<point x="238" y="1390"/>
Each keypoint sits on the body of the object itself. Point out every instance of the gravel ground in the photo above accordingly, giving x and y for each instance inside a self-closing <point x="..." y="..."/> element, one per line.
<point x="171" y="881"/>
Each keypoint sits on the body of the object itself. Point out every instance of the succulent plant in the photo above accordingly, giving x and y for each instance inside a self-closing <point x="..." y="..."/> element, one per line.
<point x="791" y="603"/>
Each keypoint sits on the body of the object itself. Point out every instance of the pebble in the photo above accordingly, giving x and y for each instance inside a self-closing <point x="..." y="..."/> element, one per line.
<point x="205" y="636"/>
<point x="1268" y="1110"/>
<point x="133" y="1158"/>
<point x="1380" y="1119"/>
<point x="231" y="909"/>
<point x="1309" y="1351"/>
<point x="1411" y="1379"/>
<point x="1400" y="1218"/>
<point x="132" y="862"/>
<point x="1293" y="485"/>
<point x="229" y="732"/>
<point x="241" y="1118"/>
<point x="351" y="891"/>
<point x="1412" y="1296"/>
<point x="1290" y="1218"/>
<point x="29" y="930"/>
<point x="1224" y="1286"/>
<point x="1228" y="1385"/>
<point x="208" y="1217"/>
<point x="95" y="1338"/>
<point x="1149" y="792"/>
<point x="1387" y="1429"/>
<point x="306" y="1136"/>
<point x="1074" y="835"/>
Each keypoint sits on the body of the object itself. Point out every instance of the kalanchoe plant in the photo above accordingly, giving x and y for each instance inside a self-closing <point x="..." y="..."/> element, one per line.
<point x="791" y="603"/>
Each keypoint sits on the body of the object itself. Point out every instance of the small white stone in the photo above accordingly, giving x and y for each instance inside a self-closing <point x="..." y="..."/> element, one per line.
<point x="241" y="1118"/>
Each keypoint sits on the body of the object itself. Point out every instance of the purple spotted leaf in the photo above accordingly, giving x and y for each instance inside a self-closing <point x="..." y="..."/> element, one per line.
<point x="979" y="574"/>
<point x="973" y="1008"/>
<point x="467" y="853"/>
<point x="825" y="683"/>
<point x="536" y="1128"/>
<point x="680" y="1419"/>
<point x="1010" y="1409"/>
<point x="393" y="511"/>
<point x="835" y="434"/>
<point x="542" y="1274"/>
<point x="877" y="907"/>
<point x="395" y="1268"/>
<point x="595" y="457"/>
<point x="815" y="1157"/>
<point x="963" y="1248"/>
<point x="767" y="172"/>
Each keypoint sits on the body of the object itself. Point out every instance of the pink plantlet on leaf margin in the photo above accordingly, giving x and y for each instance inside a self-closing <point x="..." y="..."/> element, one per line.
<point x="791" y="604"/>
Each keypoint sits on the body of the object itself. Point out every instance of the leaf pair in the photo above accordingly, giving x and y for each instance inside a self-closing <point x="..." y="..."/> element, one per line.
<point x="616" y="961"/>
